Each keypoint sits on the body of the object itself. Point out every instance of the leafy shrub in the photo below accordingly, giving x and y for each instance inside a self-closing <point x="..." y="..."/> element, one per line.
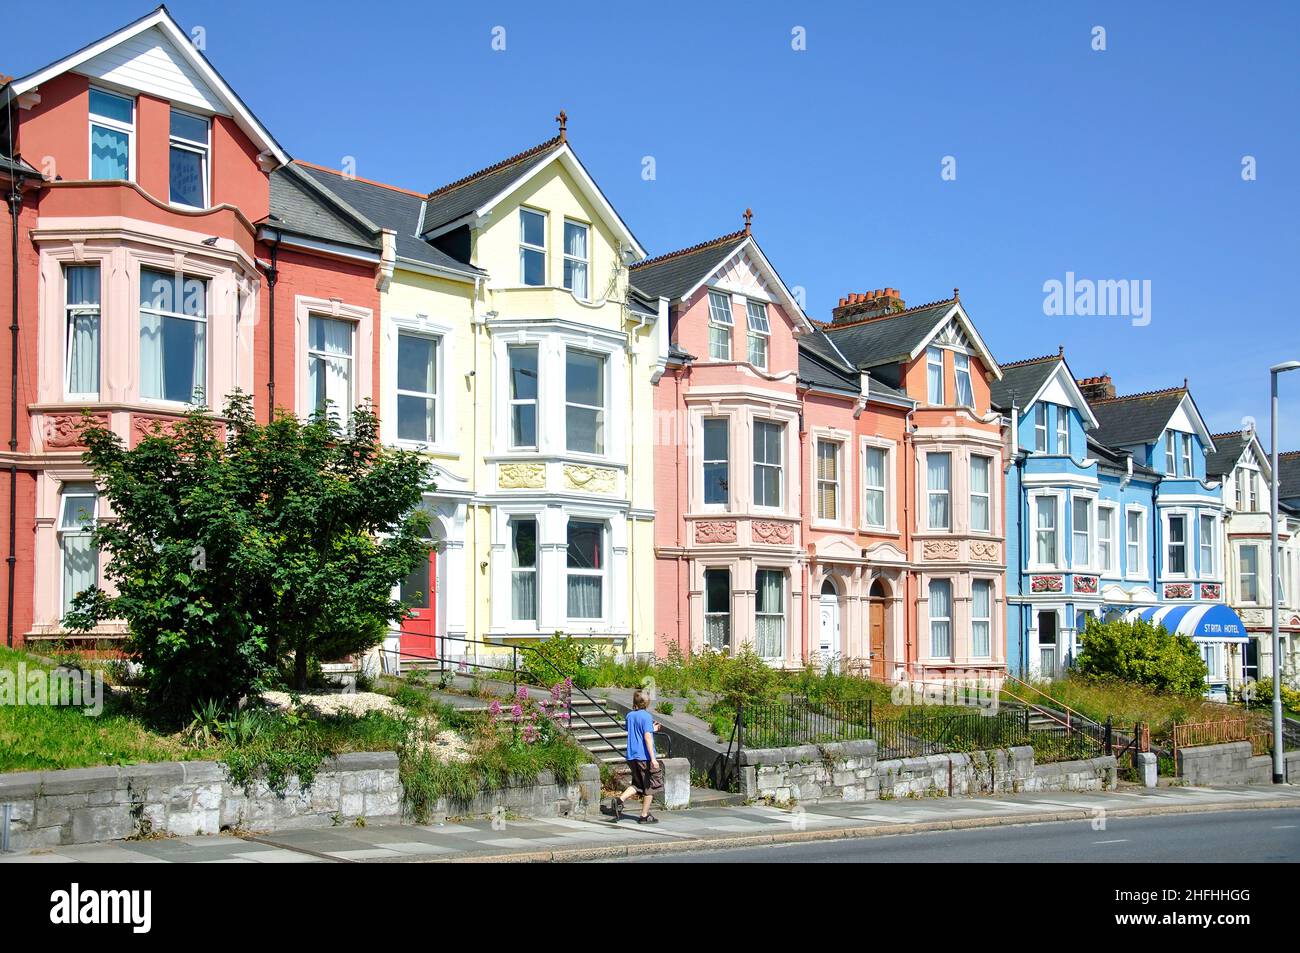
<point x="1140" y="652"/>
<point x="747" y="679"/>
<point x="558" y="658"/>
<point x="1261" y="695"/>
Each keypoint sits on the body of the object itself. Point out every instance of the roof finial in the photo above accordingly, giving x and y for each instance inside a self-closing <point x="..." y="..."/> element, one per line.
<point x="749" y="217"/>
<point x="1060" y="350"/>
<point x="956" y="294"/>
<point x="563" y="120"/>
<point x="1184" y="383"/>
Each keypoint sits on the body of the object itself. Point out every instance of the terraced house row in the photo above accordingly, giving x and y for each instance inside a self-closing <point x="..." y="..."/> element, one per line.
<point x="641" y="451"/>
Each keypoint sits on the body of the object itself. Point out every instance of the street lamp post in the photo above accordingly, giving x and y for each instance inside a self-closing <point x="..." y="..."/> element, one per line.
<point x="1279" y="774"/>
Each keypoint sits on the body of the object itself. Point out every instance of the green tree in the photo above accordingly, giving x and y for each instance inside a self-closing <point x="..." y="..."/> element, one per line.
<point x="237" y="549"/>
<point x="1140" y="652"/>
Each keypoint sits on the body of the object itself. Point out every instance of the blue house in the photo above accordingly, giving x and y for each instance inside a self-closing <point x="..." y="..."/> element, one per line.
<point x="1109" y="513"/>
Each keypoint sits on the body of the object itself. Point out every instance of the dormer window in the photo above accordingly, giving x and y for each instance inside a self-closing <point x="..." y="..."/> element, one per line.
<point x="934" y="375"/>
<point x="720" y="325"/>
<point x="1187" y="454"/>
<point x="1062" y="432"/>
<point x="961" y="368"/>
<point x="190" y="143"/>
<point x="575" y="258"/>
<point x="1171" y="456"/>
<point x="532" y="247"/>
<point x="759" y="332"/>
<point x="1040" y="428"/>
<point x="112" y="129"/>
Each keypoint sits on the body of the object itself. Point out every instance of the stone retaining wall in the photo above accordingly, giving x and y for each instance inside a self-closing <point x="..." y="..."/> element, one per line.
<point x="1232" y="763"/>
<point x="543" y="798"/>
<point x="849" y="771"/>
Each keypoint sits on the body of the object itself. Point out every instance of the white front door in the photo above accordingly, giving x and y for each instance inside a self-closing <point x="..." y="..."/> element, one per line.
<point x="829" y="643"/>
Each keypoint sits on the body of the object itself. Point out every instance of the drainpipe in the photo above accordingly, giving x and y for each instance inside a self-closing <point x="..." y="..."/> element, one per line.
<point x="272" y="276"/>
<point x="909" y="581"/>
<point x="15" y="206"/>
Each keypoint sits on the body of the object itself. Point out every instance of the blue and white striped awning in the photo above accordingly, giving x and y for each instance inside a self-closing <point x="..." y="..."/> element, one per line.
<point x="1210" y="623"/>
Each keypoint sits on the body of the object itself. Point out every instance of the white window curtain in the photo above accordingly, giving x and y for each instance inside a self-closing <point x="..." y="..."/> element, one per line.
<point x="961" y="367"/>
<point x="1248" y="573"/>
<point x="979" y="493"/>
<point x="769" y="615"/>
<point x="523" y="575"/>
<point x="981" y="612"/>
<point x="1106" y="539"/>
<point x="940" y="618"/>
<point x="575" y="258"/>
<point x="1045" y="508"/>
<point x="1133" y="542"/>
<point x="720" y="325"/>
<point x="1081" y="540"/>
<point x="83" y="330"/>
<point x="874" y="480"/>
<point x="586" y="551"/>
<point x="1040" y="428"/>
<point x="173" y="337"/>
<point x="717" y="609"/>
<point x="934" y="374"/>
<point x="1207" y="567"/>
<point x="329" y="365"/>
<point x="79" y="556"/>
<point x="938" y="477"/>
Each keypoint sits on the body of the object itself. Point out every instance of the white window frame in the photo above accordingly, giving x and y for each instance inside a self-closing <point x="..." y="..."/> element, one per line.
<point x="1186" y="544"/>
<point x="68" y="310"/>
<point x="1171" y="454"/>
<point x="944" y="619"/>
<point x="885" y="489"/>
<point x="782" y="615"/>
<point x="1082" y="560"/>
<point x="205" y="320"/>
<point x="933" y="361"/>
<point x="1058" y="550"/>
<point x="1062" y="431"/>
<point x="986" y="621"/>
<point x="836" y="484"/>
<point x="706" y="460"/>
<point x="525" y="247"/>
<point x="1212" y="655"/>
<point x="512" y="402"/>
<point x="1242" y="574"/>
<point x="946" y="492"/>
<point x="201" y="149"/>
<point x="778" y="466"/>
<point x="722" y="323"/>
<point x="986" y="496"/>
<point x="345" y="413"/>
<point x="601" y="573"/>
<point x="1040" y="427"/>
<point x="438" y="342"/>
<point x="1136" y="568"/>
<point x="1252" y="487"/>
<point x="68" y="493"/>
<point x="575" y="260"/>
<point x="759" y="332"/>
<point x="1107" y="545"/>
<point x="725" y="615"/>
<point x="1207" y="544"/>
<point x="602" y="409"/>
<point x="1187" y="455"/>
<point x="535" y="569"/>
<point x="961" y="372"/>
<point x="116" y="125"/>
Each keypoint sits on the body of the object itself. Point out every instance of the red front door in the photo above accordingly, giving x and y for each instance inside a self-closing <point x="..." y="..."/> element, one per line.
<point x="419" y="592"/>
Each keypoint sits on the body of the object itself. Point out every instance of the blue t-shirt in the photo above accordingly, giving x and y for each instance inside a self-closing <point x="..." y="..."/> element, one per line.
<point x="638" y="723"/>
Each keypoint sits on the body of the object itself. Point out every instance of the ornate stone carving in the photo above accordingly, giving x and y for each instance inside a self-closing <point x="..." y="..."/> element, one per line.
<point x="715" y="531"/>
<point x="767" y="531"/>
<point x="1211" y="591"/>
<point x="63" y="431"/>
<point x="939" y="549"/>
<point x="521" y="476"/>
<point x="984" y="551"/>
<point x="591" y="479"/>
<point x="144" y="425"/>
<point x="1178" y="590"/>
<point x="1046" y="583"/>
<point x="1086" y="585"/>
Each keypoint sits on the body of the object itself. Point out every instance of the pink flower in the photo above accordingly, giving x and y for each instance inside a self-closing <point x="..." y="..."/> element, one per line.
<point x="495" y="708"/>
<point x="516" y="711"/>
<point x="522" y="694"/>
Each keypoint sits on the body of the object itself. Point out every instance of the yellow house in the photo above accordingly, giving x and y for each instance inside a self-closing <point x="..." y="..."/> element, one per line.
<point x="512" y="353"/>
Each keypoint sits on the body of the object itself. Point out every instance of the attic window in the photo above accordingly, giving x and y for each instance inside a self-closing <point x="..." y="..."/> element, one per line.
<point x="720" y="325"/>
<point x="190" y="142"/>
<point x="532" y="247"/>
<point x="759" y="331"/>
<point x="112" y="128"/>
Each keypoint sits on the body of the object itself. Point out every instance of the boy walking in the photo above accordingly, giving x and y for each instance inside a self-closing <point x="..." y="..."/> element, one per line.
<point x="642" y="760"/>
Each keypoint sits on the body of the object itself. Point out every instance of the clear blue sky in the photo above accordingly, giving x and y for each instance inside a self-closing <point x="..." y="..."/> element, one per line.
<point x="1122" y="164"/>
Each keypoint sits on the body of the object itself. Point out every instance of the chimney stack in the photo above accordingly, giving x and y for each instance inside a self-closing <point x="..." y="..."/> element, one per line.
<point x="1097" y="388"/>
<point x="856" y="306"/>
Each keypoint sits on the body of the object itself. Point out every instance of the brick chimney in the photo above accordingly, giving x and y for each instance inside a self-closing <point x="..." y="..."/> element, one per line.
<point x="1097" y="388"/>
<point x="856" y="306"/>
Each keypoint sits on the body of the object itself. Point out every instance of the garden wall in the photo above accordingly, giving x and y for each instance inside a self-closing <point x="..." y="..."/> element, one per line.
<point x="849" y="771"/>
<point x="1232" y="763"/>
<point x="543" y="798"/>
<point x="85" y="805"/>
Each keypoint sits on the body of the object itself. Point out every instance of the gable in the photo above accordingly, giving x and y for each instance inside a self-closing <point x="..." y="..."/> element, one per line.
<point x="956" y="326"/>
<point x="1187" y="419"/>
<point x="952" y="335"/>
<point x="739" y="275"/>
<point x="150" y="63"/>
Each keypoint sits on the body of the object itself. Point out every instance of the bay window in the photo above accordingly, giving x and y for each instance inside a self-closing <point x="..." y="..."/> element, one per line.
<point x="769" y="613"/>
<point x="112" y="131"/>
<point x="934" y="375"/>
<point x="828" y="480"/>
<point x="330" y="365"/>
<point x="1106" y="539"/>
<point x="717" y="609"/>
<point x="759" y="332"/>
<point x="576" y="258"/>
<point x="417" y="388"/>
<point x="981" y="497"/>
<point x="720" y="325"/>
<point x="1135" y="534"/>
<point x="523" y="569"/>
<point x="523" y="396"/>
<point x="874" y="486"/>
<point x="77" y="503"/>
<point x="532" y="247"/>
<point x="1207" y="537"/>
<point x="981" y="618"/>
<point x="584" y="401"/>
<point x="1248" y="573"/>
<point x="938" y="468"/>
<point x="961" y="371"/>
<point x="940" y="618"/>
<point x="173" y="337"/>
<point x="768" y="463"/>
<point x="188" y="167"/>
<point x="1176" y="549"/>
<point x="81" y="349"/>
<point x="1081" y="532"/>
<point x="1045" y="534"/>
<point x="586" y="569"/>
<point x="717" y="461"/>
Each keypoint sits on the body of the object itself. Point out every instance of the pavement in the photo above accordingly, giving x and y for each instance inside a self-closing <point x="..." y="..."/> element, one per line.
<point x="522" y="840"/>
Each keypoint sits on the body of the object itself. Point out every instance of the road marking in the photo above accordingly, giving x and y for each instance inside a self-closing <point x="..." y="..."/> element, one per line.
<point x="1122" y="840"/>
<point x="1284" y="827"/>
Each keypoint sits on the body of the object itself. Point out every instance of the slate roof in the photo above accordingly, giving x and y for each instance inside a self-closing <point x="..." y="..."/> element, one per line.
<point x="302" y="206"/>
<point x="1137" y="418"/>
<point x="389" y="207"/>
<point x="1116" y="460"/>
<point x="671" y="276"/>
<point x="640" y="304"/>
<point x="888" y="339"/>
<point x="1021" y="380"/>
<point x="1228" y="448"/>
<point x="1288" y="475"/>
<point x="458" y="199"/>
<point x="820" y="365"/>
<point x="19" y="165"/>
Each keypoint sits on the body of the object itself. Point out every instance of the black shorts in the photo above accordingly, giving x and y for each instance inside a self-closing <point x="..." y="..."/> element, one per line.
<point x="643" y="779"/>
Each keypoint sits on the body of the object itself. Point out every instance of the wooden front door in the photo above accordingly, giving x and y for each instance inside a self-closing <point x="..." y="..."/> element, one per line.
<point x="876" y="630"/>
<point x="420" y="592"/>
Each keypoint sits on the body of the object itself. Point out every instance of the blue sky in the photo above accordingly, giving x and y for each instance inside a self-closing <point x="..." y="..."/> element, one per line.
<point x="1119" y="164"/>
